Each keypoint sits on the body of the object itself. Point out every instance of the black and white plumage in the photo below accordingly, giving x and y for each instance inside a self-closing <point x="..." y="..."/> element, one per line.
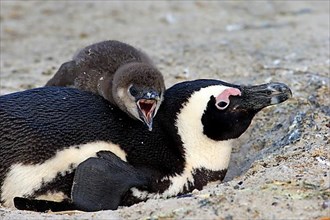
<point x="75" y="148"/>
<point x="118" y="72"/>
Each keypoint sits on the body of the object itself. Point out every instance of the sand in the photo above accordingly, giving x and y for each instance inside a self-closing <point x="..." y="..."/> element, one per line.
<point x="280" y="166"/>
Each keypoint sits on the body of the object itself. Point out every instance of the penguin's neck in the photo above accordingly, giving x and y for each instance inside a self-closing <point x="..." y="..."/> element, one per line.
<point x="206" y="160"/>
<point x="201" y="152"/>
<point x="109" y="89"/>
<point x="105" y="88"/>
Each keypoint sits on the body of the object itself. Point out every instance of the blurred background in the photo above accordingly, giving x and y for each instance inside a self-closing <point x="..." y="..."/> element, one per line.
<point x="237" y="41"/>
<point x="245" y="42"/>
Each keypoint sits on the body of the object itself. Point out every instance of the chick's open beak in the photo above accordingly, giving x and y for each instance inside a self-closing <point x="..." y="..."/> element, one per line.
<point x="147" y="106"/>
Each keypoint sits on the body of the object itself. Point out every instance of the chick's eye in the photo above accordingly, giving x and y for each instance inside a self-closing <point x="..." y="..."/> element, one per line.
<point x="133" y="91"/>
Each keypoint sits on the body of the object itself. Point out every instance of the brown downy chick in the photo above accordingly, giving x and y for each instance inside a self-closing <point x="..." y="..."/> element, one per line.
<point x="120" y="73"/>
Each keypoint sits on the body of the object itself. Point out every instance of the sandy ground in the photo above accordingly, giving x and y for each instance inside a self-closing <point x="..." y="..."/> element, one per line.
<point x="280" y="167"/>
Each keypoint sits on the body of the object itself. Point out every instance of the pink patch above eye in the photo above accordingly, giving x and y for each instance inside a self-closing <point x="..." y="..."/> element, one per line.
<point x="224" y="97"/>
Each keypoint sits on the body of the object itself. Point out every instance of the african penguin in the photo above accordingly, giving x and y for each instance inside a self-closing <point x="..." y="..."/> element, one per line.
<point x="63" y="148"/>
<point x="119" y="73"/>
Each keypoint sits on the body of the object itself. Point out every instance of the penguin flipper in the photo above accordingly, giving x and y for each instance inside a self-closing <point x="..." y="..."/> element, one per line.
<point x="99" y="183"/>
<point x="65" y="75"/>
<point x="42" y="205"/>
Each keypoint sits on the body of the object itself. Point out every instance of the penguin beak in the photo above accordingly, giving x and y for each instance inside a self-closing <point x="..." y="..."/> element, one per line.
<point x="261" y="96"/>
<point x="147" y="106"/>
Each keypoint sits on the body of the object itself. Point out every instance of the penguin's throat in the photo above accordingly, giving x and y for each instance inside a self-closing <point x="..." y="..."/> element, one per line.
<point x="147" y="108"/>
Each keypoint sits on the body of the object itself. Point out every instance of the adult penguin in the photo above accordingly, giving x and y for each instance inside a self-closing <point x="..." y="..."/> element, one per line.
<point x="62" y="148"/>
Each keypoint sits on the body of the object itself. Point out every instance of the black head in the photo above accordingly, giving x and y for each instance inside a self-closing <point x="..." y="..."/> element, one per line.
<point x="229" y="114"/>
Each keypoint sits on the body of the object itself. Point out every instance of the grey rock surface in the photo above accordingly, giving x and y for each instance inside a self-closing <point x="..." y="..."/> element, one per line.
<point x="280" y="167"/>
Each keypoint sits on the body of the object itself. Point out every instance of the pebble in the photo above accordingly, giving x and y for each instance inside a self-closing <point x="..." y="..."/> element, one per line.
<point x="326" y="204"/>
<point x="229" y="217"/>
<point x="169" y="18"/>
<point x="203" y="203"/>
<point x="234" y="27"/>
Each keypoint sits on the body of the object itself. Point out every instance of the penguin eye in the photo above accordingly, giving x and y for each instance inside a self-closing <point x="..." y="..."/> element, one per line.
<point x="133" y="91"/>
<point x="222" y="105"/>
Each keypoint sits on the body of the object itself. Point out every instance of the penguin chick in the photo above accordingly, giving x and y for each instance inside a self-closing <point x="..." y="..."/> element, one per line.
<point x="119" y="73"/>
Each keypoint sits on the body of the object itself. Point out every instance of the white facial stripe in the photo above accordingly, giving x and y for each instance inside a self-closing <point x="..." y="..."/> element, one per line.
<point x="25" y="179"/>
<point x="201" y="151"/>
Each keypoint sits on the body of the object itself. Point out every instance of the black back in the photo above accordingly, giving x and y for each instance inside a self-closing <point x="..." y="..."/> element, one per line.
<point x="37" y="123"/>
